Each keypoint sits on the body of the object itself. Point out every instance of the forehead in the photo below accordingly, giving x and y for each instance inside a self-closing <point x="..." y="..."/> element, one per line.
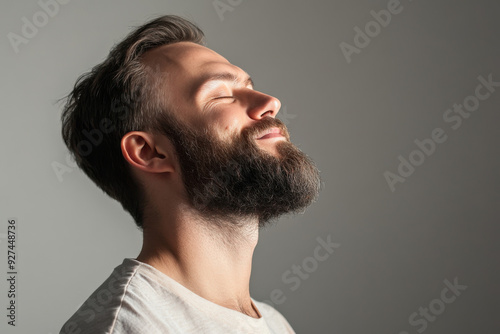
<point x="185" y="62"/>
<point x="182" y="55"/>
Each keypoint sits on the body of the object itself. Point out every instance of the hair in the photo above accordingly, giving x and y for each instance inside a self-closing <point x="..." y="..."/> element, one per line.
<point x="118" y="96"/>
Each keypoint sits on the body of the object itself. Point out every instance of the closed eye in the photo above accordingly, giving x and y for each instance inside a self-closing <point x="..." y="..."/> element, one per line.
<point x="223" y="97"/>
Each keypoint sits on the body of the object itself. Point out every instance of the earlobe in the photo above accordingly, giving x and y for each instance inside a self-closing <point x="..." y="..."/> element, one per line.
<point x="142" y="150"/>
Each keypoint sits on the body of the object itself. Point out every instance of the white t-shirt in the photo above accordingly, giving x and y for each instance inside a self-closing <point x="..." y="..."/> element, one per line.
<point x="137" y="298"/>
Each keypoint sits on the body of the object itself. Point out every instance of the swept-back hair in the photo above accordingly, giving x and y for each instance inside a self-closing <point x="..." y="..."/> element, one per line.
<point x="117" y="96"/>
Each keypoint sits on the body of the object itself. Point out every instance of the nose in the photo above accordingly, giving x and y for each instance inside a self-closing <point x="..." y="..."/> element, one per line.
<point x="262" y="105"/>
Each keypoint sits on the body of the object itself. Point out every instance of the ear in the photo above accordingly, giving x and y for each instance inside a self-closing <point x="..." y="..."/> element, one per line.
<point x="147" y="152"/>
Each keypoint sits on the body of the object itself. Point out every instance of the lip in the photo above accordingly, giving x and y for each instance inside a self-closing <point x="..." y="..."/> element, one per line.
<point x="270" y="133"/>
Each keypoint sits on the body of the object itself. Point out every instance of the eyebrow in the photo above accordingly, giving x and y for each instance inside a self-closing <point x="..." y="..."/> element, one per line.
<point x="223" y="76"/>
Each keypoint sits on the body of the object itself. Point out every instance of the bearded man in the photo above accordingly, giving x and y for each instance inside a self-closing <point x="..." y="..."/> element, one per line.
<point x="180" y="137"/>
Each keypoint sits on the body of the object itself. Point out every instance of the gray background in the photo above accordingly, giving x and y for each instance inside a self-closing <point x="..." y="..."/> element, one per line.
<point x="354" y="119"/>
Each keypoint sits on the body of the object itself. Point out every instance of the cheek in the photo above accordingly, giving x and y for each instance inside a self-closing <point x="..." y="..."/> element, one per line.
<point x="228" y="126"/>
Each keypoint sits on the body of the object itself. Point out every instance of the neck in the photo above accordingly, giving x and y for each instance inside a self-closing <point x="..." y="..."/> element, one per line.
<point x="212" y="260"/>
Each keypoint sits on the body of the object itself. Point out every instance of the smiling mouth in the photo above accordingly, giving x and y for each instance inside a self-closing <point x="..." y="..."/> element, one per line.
<point x="270" y="133"/>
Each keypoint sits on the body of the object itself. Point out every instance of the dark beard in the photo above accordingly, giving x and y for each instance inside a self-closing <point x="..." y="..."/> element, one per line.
<point x="237" y="180"/>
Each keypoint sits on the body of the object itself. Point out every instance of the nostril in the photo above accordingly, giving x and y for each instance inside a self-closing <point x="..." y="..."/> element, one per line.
<point x="267" y="113"/>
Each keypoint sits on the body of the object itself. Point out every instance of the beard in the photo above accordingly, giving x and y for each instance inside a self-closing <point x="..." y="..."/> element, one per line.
<point x="233" y="180"/>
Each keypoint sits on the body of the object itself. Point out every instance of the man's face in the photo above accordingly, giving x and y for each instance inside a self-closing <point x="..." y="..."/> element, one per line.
<point x="236" y="158"/>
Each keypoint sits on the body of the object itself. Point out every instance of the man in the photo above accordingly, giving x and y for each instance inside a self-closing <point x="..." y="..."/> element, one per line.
<point x="180" y="137"/>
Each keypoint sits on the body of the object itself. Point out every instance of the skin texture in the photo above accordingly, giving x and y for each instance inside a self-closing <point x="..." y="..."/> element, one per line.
<point x="208" y="248"/>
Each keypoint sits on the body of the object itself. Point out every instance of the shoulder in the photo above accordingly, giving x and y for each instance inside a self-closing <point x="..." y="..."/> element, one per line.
<point x="109" y="310"/>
